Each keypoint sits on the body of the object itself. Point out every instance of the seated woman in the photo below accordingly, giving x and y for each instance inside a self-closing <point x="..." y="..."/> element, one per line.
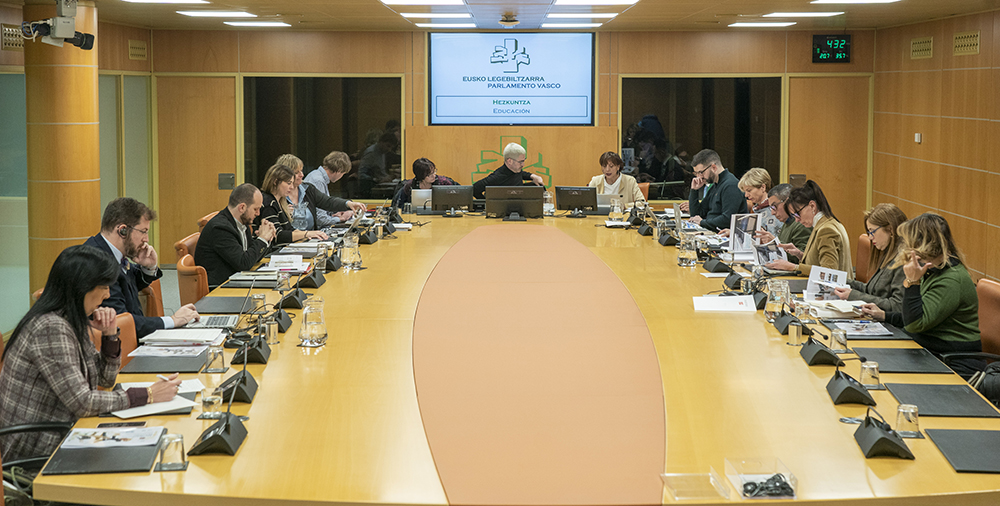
<point x="828" y="246"/>
<point x="305" y="198"/>
<point x="940" y="306"/>
<point x="51" y="369"/>
<point x="755" y="184"/>
<point x="885" y="288"/>
<point x="613" y="182"/>
<point x="424" y="177"/>
<point x="279" y="184"/>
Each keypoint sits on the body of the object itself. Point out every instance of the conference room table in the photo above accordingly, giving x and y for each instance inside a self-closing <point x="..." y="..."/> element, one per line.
<point x="554" y="361"/>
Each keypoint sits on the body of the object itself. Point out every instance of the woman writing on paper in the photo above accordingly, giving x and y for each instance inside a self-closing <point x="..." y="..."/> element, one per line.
<point x="940" y="306"/>
<point x="828" y="246"/>
<point x="885" y="288"/>
<point x="613" y="182"/>
<point x="52" y="371"/>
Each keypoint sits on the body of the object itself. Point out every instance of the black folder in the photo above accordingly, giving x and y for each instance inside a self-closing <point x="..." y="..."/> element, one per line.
<point x="224" y="305"/>
<point x="898" y="334"/>
<point x="943" y="400"/>
<point x="909" y="360"/>
<point x="128" y="459"/>
<point x="969" y="451"/>
<point x="157" y="365"/>
<point x="797" y="285"/>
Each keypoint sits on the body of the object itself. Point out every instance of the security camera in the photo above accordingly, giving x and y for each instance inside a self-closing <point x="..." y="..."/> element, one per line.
<point x="60" y="28"/>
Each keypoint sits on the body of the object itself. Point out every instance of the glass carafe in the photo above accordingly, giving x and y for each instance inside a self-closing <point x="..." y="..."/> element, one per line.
<point x="312" y="332"/>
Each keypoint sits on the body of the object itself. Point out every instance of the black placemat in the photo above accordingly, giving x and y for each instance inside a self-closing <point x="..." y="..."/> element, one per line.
<point x="898" y="334"/>
<point x="943" y="400"/>
<point x="155" y="365"/>
<point x="910" y="360"/>
<point x="797" y="285"/>
<point x="969" y="451"/>
<point x="223" y="305"/>
<point x="245" y="283"/>
<point x="101" y="460"/>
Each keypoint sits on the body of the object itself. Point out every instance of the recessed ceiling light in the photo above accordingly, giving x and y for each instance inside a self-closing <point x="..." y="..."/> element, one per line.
<point x="571" y="25"/>
<point x="853" y="1"/>
<point x="218" y="14"/>
<point x="802" y="14"/>
<point x="166" y="1"/>
<point x="256" y="23"/>
<point x="446" y="25"/>
<point x="423" y="2"/>
<point x="762" y="25"/>
<point x="438" y="15"/>
<point x="584" y="15"/>
<point x="595" y="2"/>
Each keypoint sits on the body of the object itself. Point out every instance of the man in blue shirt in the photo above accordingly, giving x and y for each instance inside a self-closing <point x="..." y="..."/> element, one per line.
<point x="335" y="166"/>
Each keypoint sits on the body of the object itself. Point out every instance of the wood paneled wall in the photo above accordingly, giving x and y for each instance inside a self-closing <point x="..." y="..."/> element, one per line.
<point x="113" y="51"/>
<point x="952" y="102"/>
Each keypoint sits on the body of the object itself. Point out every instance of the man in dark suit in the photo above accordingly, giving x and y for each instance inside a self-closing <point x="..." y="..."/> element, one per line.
<point x="125" y="236"/>
<point x="511" y="173"/>
<point x="227" y="245"/>
<point x="723" y="199"/>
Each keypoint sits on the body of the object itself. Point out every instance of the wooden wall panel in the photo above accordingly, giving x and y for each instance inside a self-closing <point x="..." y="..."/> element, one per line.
<point x="570" y="154"/>
<point x="700" y="52"/>
<point x="827" y="139"/>
<point x="11" y="15"/>
<point x="862" y="53"/>
<point x="113" y="53"/>
<point x="327" y="52"/>
<point x="195" y="51"/>
<point x="951" y="100"/>
<point x="197" y="138"/>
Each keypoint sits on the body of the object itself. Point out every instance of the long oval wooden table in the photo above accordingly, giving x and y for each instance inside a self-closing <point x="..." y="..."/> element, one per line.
<point x="342" y="424"/>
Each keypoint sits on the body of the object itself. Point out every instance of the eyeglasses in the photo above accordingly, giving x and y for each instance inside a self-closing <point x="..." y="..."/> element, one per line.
<point x="143" y="232"/>
<point x="702" y="171"/>
<point x="799" y="210"/>
<point x="871" y="233"/>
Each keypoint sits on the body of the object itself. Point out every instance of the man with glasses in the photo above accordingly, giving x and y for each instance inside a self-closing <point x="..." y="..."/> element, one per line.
<point x="791" y="232"/>
<point x="723" y="198"/>
<point x="125" y="236"/>
<point x="511" y="173"/>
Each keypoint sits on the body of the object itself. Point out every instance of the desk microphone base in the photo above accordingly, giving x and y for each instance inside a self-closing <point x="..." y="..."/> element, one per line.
<point x="256" y="353"/>
<point x="224" y="436"/>
<point x="243" y="383"/>
<point x="293" y="300"/>
<point x="815" y="353"/>
<point x="844" y="389"/>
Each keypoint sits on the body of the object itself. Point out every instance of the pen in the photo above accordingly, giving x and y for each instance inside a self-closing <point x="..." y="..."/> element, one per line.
<point x="162" y="377"/>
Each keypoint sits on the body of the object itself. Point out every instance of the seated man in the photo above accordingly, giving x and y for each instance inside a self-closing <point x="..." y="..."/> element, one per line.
<point x="227" y="245"/>
<point x="508" y="174"/>
<point x="723" y="198"/>
<point x="124" y="236"/>
<point x="335" y="166"/>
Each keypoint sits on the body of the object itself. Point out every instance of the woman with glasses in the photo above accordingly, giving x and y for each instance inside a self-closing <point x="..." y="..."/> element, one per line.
<point x="613" y="182"/>
<point x="940" y="306"/>
<point x="885" y="288"/>
<point x="302" y="200"/>
<point x="425" y="177"/>
<point x="829" y="245"/>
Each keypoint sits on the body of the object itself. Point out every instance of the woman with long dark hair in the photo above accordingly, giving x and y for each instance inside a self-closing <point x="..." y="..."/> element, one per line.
<point x="51" y="370"/>
<point x="828" y="246"/>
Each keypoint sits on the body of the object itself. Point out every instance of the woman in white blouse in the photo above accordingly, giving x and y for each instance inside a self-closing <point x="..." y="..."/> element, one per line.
<point x="613" y="182"/>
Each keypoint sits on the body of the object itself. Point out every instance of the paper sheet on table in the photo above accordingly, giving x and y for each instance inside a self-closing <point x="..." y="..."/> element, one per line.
<point x="168" y="351"/>
<point x="187" y="386"/>
<point x="403" y="226"/>
<point x="111" y="438"/>
<point x="615" y="224"/>
<point x="740" y="303"/>
<point x="177" y="402"/>
<point x="182" y="336"/>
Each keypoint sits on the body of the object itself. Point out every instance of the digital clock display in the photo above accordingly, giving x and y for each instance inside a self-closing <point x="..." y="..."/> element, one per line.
<point x="831" y="49"/>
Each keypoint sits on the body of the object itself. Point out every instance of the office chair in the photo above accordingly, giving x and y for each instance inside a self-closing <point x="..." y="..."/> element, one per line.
<point x="187" y="245"/>
<point x="644" y="188"/>
<point x="863" y="272"/>
<point x="204" y="220"/>
<point x="192" y="280"/>
<point x="151" y="299"/>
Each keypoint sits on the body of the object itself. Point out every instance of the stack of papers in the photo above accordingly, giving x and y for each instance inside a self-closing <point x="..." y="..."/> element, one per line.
<point x="289" y="263"/>
<point x="184" y="337"/>
<point x="111" y="438"/>
<point x="835" y="308"/>
<point x="739" y="303"/>
<point x="861" y="327"/>
<point x="187" y="386"/>
<point x="178" y="402"/>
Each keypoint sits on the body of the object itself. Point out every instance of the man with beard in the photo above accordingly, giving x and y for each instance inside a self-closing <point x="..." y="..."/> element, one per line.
<point x="227" y="245"/>
<point x="125" y="236"/>
<point x="723" y="198"/>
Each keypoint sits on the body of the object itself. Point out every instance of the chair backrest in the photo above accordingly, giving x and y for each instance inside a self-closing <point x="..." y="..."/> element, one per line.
<point x="192" y="280"/>
<point x="204" y="220"/>
<point x="127" y="336"/>
<point x="187" y="245"/>
<point x="152" y="299"/>
<point x="644" y="188"/>
<point x="863" y="271"/>
<point x="37" y="294"/>
<point x="989" y="314"/>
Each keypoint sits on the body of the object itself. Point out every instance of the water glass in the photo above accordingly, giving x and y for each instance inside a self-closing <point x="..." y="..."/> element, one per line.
<point x="319" y="261"/>
<point x="312" y="332"/>
<point x="838" y="341"/>
<point x="408" y="208"/>
<point x="687" y="252"/>
<point x="802" y="312"/>
<point x="777" y="298"/>
<point x="283" y="284"/>
<point x="350" y="255"/>
<point x="617" y="211"/>
<point x="907" y="423"/>
<point x="211" y="403"/>
<point x="172" y="456"/>
<point x="216" y="361"/>
<point x="258" y="301"/>
<point x="869" y="375"/>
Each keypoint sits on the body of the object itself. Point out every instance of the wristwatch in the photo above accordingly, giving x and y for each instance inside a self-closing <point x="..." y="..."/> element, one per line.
<point x="907" y="283"/>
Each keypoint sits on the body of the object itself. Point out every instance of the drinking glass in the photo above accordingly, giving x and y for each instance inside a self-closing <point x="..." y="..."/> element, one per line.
<point x="350" y="255"/>
<point x="211" y="403"/>
<point x="617" y="213"/>
<point x="838" y="341"/>
<point x="283" y="284"/>
<point x="319" y="261"/>
<point x="777" y="297"/>
<point x="312" y="332"/>
<point x="257" y="303"/>
<point x="869" y="375"/>
<point x="907" y="422"/>
<point x="216" y="360"/>
<point x="172" y="456"/>
<point x="687" y="252"/>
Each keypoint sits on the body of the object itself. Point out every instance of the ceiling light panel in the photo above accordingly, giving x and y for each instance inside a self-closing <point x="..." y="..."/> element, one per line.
<point x="217" y="14"/>
<point x="802" y="14"/>
<point x="762" y="25"/>
<point x="257" y="23"/>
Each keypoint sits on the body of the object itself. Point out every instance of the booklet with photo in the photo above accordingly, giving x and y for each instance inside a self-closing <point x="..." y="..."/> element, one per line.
<point x="109" y="438"/>
<point x="741" y="232"/>
<point x="769" y="252"/>
<point x="822" y="282"/>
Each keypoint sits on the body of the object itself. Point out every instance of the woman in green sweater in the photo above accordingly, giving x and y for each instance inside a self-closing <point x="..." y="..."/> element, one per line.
<point x="940" y="307"/>
<point x="885" y="288"/>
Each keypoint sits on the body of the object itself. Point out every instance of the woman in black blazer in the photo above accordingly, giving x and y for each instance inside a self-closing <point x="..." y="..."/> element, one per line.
<point x="279" y="183"/>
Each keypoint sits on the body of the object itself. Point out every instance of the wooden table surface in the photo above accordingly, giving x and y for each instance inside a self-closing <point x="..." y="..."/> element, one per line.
<point x="341" y="424"/>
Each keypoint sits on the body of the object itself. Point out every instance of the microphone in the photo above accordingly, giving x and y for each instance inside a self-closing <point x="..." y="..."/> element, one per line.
<point x="782" y="321"/>
<point x="295" y="298"/>
<point x="241" y="333"/>
<point x="240" y="386"/>
<point x="844" y="389"/>
<point x="224" y="436"/>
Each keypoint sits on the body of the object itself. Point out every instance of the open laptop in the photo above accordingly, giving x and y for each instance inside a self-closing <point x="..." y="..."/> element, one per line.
<point x="604" y="200"/>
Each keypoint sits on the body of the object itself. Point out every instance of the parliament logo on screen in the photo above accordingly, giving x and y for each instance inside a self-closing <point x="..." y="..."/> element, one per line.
<point x="510" y="56"/>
